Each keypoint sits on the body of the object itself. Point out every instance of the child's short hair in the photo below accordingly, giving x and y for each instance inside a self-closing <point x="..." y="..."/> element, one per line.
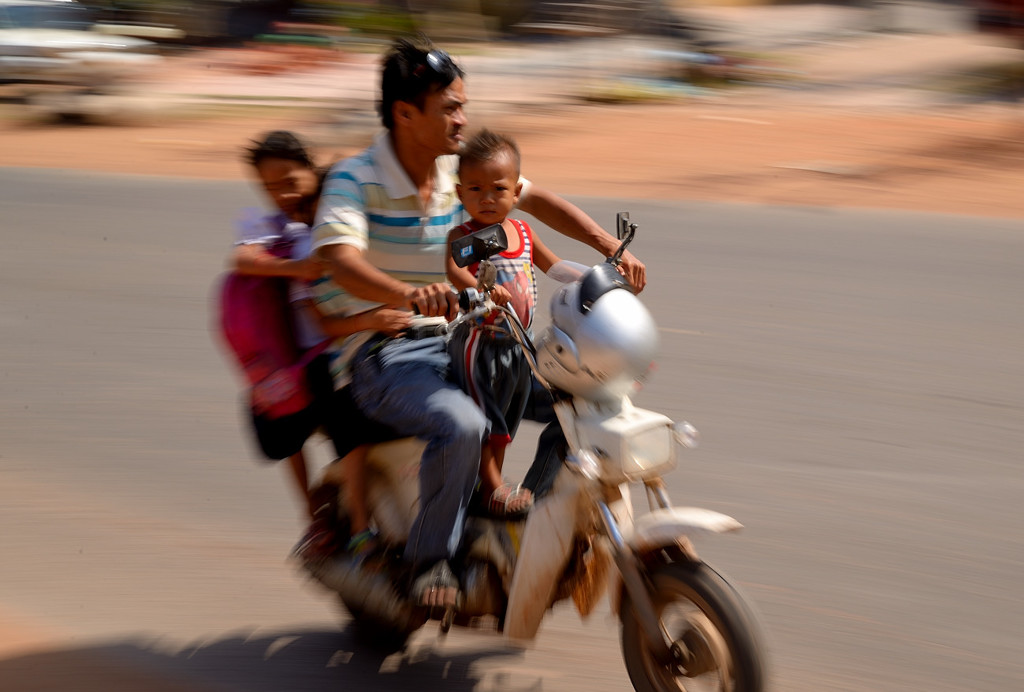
<point x="486" y="146"/>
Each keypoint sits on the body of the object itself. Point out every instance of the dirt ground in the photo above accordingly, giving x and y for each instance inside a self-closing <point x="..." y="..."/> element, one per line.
<point x="968" y="160"/>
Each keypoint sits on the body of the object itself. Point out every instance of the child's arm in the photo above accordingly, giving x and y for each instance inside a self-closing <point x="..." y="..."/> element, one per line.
<point x="255" y="260"/>
<point x="460" y="277"/>
<point x="543" y="257"/>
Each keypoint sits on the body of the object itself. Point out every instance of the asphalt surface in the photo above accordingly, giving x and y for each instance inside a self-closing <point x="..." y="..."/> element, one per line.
<point x="856" y="377"/>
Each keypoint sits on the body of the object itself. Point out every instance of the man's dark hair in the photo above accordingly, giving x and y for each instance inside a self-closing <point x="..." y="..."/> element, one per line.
<point x="413" y="69"/>
<point x="279" y="144"/>
<point x="487" y="146"/>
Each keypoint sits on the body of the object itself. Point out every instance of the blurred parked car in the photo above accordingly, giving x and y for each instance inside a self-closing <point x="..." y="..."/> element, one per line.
<point x="194" y="22"/>
<point x="57" y="42"/>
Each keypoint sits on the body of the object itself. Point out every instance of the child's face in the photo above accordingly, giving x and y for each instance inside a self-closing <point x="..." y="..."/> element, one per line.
<point x="288" y="183"/>
<point x="489" y="189"/>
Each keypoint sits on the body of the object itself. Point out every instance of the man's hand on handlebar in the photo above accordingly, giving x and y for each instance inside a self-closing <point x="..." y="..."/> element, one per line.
<point x="634" y="271"/>
<point x="435" y="300"/>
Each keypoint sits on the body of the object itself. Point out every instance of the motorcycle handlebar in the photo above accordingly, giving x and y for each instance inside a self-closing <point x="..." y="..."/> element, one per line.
<point x="475" y="305"/>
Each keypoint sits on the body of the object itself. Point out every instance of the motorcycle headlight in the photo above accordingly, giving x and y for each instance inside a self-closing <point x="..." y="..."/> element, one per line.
<point x="632" y="444"/>
<point x="649" y="452"/>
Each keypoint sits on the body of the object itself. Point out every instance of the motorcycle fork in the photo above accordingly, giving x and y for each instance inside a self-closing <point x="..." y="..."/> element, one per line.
<point x="657" y="493"/>
<point x="636" y="587"/>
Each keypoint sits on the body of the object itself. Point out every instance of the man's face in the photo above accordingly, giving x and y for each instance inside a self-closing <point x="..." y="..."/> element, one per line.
<point x="438" y="126"/>
<point x="489" y="189"/>
<point x="288" y="183"/>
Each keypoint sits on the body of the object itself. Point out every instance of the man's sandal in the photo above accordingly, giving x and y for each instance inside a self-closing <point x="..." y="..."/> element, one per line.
<point x="436" y="588"/>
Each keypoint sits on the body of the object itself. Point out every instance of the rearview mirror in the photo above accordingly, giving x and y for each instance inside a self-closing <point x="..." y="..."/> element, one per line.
<point x="478" y="246"/>
<point x="624" y="231"/>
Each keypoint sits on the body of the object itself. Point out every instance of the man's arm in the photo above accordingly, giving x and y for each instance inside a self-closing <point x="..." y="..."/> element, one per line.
<point x="340" y="236"/>
<point x="570" y="220"/>
<point x="350" y="270"/>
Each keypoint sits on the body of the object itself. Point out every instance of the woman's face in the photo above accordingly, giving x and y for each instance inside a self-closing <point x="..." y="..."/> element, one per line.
<point x="288" y="183"/>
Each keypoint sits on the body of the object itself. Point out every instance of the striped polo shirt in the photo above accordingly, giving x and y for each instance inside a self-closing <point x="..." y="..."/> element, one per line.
<point x="368" y="201"/>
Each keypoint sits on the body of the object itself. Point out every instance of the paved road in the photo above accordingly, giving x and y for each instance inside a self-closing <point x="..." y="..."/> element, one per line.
<point x="857" y="378"/>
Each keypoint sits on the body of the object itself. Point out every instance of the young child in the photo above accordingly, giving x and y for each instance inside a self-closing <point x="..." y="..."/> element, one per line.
<point x="486" y="361"/>
<point x="291" y="180"/>
<point x="285" y="170"/>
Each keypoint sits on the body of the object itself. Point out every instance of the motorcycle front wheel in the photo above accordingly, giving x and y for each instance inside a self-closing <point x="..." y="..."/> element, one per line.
<point x="713" y="631"/>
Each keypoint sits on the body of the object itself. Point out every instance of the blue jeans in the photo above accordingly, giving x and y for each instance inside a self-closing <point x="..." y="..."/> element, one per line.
<point x="401" y="383"/>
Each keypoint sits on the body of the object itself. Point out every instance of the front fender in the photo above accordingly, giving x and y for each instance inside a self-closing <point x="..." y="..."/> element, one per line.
<point x="663" y="528"/>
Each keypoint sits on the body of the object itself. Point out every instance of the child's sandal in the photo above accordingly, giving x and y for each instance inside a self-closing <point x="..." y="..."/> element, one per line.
<point x="510" y="502"/>
<point x="317" y="542"/>
<point x="362" y="543"/>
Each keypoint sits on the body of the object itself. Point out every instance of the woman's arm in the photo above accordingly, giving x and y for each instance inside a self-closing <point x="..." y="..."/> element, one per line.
<point x="387" y="320"/>
<point x="254" y="259"/>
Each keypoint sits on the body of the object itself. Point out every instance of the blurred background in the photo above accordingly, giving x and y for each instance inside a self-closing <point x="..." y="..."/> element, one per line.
<point x="856" y="373"/>
<point x="66" y="59"/>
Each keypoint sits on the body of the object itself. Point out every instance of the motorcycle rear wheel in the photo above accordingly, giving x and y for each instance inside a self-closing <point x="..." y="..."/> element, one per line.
<point x="704" y="616"/>
<point x="378" y="634"/>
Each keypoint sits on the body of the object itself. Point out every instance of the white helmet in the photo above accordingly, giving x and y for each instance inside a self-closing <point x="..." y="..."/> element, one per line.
<point x="601" y="340"/>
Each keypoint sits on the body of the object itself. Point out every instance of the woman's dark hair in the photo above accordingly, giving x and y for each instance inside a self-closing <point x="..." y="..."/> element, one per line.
<point x="279" y="144"/>
<point x="413" y="68"/>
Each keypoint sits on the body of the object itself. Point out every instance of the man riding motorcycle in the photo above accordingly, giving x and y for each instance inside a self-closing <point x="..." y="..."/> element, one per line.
<point x="381" y="227"/>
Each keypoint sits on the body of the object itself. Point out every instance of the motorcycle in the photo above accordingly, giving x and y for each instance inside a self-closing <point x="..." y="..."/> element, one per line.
<point x="683" y="625"/>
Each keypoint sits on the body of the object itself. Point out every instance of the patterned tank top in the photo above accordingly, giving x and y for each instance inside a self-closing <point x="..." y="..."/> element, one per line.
<point x="515" y="271"/>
